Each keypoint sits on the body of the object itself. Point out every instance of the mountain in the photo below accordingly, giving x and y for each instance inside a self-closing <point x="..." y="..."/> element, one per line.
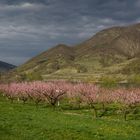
<point x="4" y="67"/>
<point x="112" y="51"/>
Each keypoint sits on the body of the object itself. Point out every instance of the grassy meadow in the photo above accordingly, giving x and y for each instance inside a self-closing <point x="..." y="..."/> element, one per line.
<point x="20" y="121"/>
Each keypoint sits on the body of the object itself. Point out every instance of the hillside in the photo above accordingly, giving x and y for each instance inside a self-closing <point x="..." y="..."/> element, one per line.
<point x="110" y="51"/>
<point x="4" y="67"/>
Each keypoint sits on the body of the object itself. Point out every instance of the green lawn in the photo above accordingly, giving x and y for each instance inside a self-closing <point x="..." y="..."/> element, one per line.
<point x="26" y="122"/>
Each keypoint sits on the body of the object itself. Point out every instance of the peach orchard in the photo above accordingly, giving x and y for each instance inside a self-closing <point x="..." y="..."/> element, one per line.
<point x="81" y="94"/>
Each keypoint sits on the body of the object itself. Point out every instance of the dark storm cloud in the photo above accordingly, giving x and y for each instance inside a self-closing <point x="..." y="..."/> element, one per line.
<point x="28" y="27"/>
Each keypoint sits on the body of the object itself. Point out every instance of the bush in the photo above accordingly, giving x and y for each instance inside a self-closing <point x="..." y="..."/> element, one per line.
<point x="29" y="77"/>
<point x="134" y="79"/>
<point x="109" y="82"/>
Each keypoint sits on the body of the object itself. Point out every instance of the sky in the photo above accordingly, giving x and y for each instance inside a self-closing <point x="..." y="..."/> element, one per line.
<point x="29" y="27"/>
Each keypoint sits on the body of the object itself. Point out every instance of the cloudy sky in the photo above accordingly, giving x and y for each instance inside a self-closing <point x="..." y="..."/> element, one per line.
<point x="28" y="27"/>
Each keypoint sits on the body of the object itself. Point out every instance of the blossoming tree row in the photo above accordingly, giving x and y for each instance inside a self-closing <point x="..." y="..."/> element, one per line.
<point x="81" y="93"/>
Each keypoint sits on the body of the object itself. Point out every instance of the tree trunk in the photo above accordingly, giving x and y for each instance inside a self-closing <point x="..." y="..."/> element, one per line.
<point x="12" y="100"/>
<point x="125" y="114"/>
<point x="58" y="103"/>
<point x="103" y="106"/>
<point x="95" y="111"/>
<point x="36" y="104"/>
<point x="103" y="110"/>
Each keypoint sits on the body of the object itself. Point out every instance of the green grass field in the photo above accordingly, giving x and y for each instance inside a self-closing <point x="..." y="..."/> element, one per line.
<point x="26" y="122"/>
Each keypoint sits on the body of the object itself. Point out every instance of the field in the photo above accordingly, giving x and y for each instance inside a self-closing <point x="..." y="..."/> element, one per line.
<point x="26" y="122"/>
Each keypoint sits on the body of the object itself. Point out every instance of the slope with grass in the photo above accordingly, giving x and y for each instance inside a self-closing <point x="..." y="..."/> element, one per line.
<point x="110" y="51"/>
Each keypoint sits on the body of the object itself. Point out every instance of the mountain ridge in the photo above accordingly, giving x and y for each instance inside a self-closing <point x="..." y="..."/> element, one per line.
<point x="107" y="52"/>
<point x="5" y="67"/>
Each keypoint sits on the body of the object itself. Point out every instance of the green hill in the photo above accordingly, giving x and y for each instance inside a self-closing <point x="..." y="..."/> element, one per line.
<point x="111" y="51"/>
